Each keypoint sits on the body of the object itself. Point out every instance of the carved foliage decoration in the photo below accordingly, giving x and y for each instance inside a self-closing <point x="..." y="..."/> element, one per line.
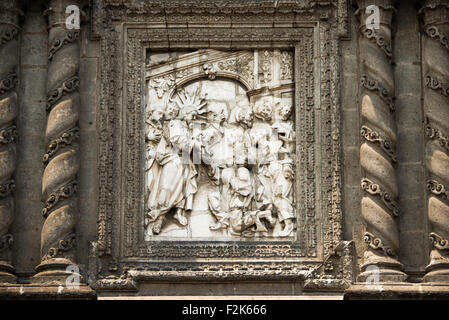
<point x="117" y="200"/>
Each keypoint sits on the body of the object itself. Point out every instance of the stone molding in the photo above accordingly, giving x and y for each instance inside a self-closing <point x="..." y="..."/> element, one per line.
<point x="121" y="143"/>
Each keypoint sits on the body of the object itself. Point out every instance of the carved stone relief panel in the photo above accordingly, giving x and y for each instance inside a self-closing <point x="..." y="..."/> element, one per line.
<point x="220" y="153"/>
<point x="261" y="88"/>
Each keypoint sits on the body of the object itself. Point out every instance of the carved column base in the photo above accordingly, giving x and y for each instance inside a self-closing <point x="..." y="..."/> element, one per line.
<point x="387" y="270"/>
<point x="7" y="273"/>
<point x="438" y="268"/>
<point x="56" y="271"/>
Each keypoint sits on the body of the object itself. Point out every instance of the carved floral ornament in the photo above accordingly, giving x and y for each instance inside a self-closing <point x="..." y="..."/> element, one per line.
<point x="236" y="66"/>
<point x="122" y="68"/>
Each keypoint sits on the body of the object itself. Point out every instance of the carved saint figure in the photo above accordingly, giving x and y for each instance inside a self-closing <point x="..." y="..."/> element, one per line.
<point x="237" y="137"/>
<point x="281" y="169"/>
<point x="239" y="217"/>
<point x="262" y="149"/>
<point x="246" y="156"/>
<point x="176" y="183"/>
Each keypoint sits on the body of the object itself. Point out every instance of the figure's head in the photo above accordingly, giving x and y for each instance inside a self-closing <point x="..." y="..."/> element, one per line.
<point x="243" y="174"/>
<point x="263" y="109"/>
<point x="156" y="113"/>
<point x="246" y="117"/>
<point x="283" y="111"/>
<point x="217" y="113"/>
<point x="172" y="111"/>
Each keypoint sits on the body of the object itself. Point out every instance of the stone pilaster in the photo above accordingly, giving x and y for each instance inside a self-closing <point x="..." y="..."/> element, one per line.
<point x="9" y="57"/>
<point x="435" y="65"/>
<point x="379" y="204"/>
<point x="61" y="159"/>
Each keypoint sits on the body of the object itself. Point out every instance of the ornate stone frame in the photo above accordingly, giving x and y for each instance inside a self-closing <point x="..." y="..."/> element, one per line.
<point x="126" y="28"/>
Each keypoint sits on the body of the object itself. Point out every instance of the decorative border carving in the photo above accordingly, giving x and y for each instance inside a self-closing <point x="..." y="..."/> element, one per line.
<point x="120" y="245"/>
<point x="375" y="189"/>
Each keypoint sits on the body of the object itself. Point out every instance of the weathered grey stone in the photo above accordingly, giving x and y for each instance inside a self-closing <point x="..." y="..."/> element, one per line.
<point x="104" y="148"/>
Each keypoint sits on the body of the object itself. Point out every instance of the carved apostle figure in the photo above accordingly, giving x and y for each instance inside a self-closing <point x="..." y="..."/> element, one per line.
<point x="237" y="136"/>
<point x="177" y="183"/>
<point x="239" y="217"/>
<point x="213" y="136"/>
<point x="152" y="140"/>
<point x="262" y="153"/>
<point x="283" y="128"/>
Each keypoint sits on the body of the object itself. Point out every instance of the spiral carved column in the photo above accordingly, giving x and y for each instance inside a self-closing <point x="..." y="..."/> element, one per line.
<point x="436" y="110"/>
<point x="379" y="204"/>
<point x="9" y="55"/>
<point x="59" y="182"/>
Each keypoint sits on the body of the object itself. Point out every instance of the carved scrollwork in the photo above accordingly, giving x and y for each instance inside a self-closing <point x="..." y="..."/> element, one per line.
<point x="55" y="197"/>
<point x="377" y="38"/>
<point x="374" y="85"/>
<point x="435" y="64"/>
<point x="373" y="136"/>
<point x="437" y="188"/>
<point x="58" y="44"/>
<point x="377" y="244"/>
<point x="7" y="187"/>
<point x="8" y="83"/>
<point x="286" y="65"/>
<point x="63" y="245"/>
<point x="9" y="62"/>
<point x="8" y="135"/>
<point x="377" y="157"/>
<point x="433" y="133"/>
<point x="67" y="86"/>
<point x="374" y="189"/>
<point x="438" y="242"/>
<point x="435" y="84"/>
<point x="308" y="94"/>
<point x="434" y="33"/>
<point x="65" y="139"/>
<point x="162" y="84"/>
<point x="6" y="241"/>
<point x="8" y="34"/>
<point x="265" y="66"/>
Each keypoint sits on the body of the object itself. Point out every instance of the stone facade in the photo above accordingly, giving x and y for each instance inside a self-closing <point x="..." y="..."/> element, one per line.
<point x="215" y="147"/>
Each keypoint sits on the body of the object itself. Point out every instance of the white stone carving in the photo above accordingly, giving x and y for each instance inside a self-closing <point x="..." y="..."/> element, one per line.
<point x="219" y="161"/>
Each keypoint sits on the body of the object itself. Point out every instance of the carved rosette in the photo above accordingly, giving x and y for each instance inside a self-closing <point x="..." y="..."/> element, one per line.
<point x="379" y="206"/>
<point x="61" y="158"/>
<point x="435" y="31"/>
<point x="9" y="53"/>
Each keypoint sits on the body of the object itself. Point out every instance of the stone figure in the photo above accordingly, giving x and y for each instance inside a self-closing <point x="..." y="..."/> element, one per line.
<point x="152" y="140"/>
<point x="283" y="128"/>
<point x="239" y="189"/>
<point x="237" y="136"/>
<point x="249" y="172"/>
<point x="261" y="152"/>
<point x="176" y="183"/>
<point x="281" y="170"/>
<point x="215" y="153"/>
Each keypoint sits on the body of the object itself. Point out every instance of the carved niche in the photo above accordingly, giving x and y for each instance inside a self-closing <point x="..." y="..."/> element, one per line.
<point x="248" y="86"/>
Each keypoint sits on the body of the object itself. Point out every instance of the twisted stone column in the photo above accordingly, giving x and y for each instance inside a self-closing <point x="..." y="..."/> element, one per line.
<point x="59" y="182"/>
<point x="379" y="204"/>
<point x="9" y="57"/>
<point x="436" y="110"/>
